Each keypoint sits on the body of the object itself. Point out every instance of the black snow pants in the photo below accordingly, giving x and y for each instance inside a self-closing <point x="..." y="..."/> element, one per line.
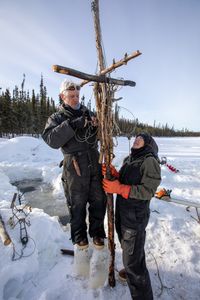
<point x="83" y="188"/>
<point x="130" y="222"/>
<point x="132" y="242"/>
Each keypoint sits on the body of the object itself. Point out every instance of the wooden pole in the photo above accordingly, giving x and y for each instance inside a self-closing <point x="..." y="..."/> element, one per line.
<point x="117" y="64"/>
<point x="104" y="114"/>
<point x="89" y="77"/>
<point x="3" y="233"/>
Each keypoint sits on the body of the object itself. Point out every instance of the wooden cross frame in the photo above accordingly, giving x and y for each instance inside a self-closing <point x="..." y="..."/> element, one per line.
<point x="103" y="91"/>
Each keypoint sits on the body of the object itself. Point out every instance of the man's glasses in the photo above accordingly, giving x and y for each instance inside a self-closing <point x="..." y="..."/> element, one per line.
<point x="73" y="88"/>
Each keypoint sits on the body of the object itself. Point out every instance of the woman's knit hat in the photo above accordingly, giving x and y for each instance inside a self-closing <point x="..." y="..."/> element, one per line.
<point x="146" y="137"/>
<point x="149" y="142"/>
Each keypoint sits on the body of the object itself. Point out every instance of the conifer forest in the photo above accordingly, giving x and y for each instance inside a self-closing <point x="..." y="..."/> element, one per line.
<point x="25" y="113"/>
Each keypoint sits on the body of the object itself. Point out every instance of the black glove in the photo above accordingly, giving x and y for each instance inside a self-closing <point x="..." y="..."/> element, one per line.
<point x="78" y="123"/>
<point x="87" y="115"/>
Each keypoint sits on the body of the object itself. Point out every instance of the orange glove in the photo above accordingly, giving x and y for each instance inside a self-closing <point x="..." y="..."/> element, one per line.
<point x="115" y="187"/>
<point x="113" y="171"/>
<point x="162" y="193"/>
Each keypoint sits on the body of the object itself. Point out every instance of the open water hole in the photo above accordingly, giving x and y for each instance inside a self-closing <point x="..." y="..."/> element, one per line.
<point x="39" y="194"/>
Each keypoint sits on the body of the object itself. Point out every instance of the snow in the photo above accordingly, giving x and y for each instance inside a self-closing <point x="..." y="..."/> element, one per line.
<point x="173" y="234"/>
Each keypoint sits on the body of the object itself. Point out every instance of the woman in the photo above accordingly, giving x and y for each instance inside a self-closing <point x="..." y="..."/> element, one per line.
<point x="137" y="182"/>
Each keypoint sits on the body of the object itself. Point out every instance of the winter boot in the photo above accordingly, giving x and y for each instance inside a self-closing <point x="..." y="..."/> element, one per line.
<point x="82" y="259"/>
<point x="98" y="243"/>
<point x="122" y="276"/>
<point x="82" y="245"/>
<point x="99" y="263"/>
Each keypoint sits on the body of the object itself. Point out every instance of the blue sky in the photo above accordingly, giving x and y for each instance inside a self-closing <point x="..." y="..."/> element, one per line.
<point x="37" y="34"/>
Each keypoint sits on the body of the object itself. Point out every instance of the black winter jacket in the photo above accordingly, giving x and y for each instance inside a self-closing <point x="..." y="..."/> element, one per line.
<point x="58" y="132"/>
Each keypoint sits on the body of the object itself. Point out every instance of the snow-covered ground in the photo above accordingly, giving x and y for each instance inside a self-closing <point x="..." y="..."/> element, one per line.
<point x="173" y="234"/>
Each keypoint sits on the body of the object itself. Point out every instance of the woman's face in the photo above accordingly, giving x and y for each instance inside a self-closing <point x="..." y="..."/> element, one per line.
<point x="138" y="142"/>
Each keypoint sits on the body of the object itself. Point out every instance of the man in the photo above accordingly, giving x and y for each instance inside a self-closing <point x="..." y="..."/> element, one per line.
<point x="74" y="129"/>
<point x="135" y="185"/>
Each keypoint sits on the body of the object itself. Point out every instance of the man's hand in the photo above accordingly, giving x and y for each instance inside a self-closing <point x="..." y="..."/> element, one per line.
<point x="79" y="122"/>
<point x="94" y="121"/>
<point x="115" y="187"/>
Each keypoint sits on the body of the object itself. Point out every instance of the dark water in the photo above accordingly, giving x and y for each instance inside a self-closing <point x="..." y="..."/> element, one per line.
<point x="40" y="195"/>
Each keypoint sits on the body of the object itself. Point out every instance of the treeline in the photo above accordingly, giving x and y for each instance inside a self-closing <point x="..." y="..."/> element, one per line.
<point x="130" y="128"/>
<point x="127" y="127"/>
<point x="22" y="113"/>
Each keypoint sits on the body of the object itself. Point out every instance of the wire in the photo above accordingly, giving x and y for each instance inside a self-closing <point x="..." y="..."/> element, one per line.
<point x="14" y="258"/>
<point x="132" y="132"/>
<point x="88" y="135"/>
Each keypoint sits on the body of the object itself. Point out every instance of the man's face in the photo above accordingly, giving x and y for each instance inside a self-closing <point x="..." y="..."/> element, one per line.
<point x="71" y="98"/>
<point x="138" y="142"/>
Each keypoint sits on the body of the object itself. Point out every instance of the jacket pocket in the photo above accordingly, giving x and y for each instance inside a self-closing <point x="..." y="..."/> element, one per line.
<point x="69" y="167"/>
<point x="67" y="163"/>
